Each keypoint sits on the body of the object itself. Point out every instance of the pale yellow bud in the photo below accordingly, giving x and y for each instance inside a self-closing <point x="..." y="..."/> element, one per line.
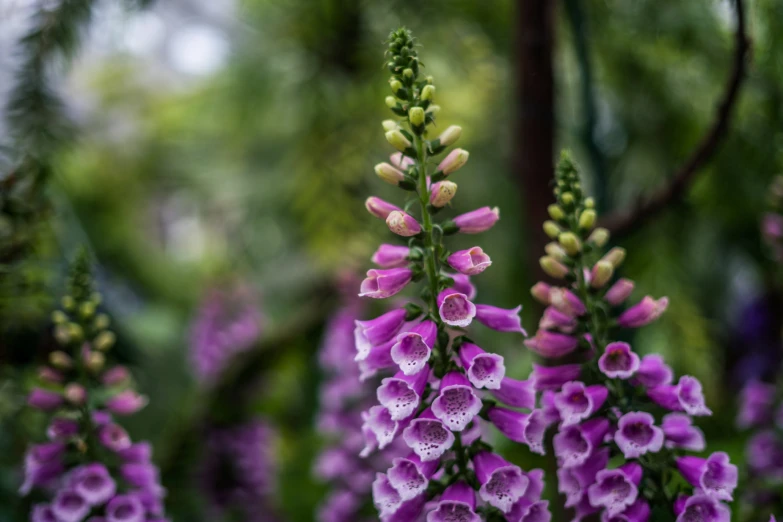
<point x="395" y="85"/>
<point x="450" y="135"/>
<point x="615" y="256"/>
<point x="551" y="229"/>
<point x="601" y="274"/>
<point x="427" y="92"/>
<point x="555" y="212"/>
<point x="60" y="360"/>
<point x="553" y="267"/>
<point x="416" y="116"/>
<point x="390" y="125"/>
<point x="570" y="243"/>
<point x="555" y="250"/>
<point x="104" y="341"/>
<point x="389" y="174"/>
<point x="589" y="203"/>
<point x="599" y="237"/>
<point x="398" y="140"/>
<point x="391" y="102"/>
<point x="59" y="317"/>
<point x="587" y="219"/>
<point x="442" y="193"/>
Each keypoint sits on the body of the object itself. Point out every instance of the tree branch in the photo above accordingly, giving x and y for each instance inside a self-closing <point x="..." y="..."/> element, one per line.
<point x="626" y="221"/>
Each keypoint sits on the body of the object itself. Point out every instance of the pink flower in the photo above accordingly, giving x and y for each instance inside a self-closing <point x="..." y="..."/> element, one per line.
<point x="477" y="221"/>
<point x="402" y="224"/>
<point x="472" y="261"/>
<point x="381" y="284"/>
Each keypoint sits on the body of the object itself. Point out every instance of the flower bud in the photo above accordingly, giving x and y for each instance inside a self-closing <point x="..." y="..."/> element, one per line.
<point x="541" y="292"/>
<point x="391" y="102"/>
<point x="553" y="267"/>
<point x="599" y="237"/>
<point x="61" y="334"/>
<point x="95" y="361"/>
<point x="615" y="256"/>
<point x="75" y="332"/>
<point x="408" y="73"/>
<point x="551" y="229"/>
<point x="87" y="309"/>
<point x="450" y="135"/>
<point x="47" y="374"/>
<point x="68" y="302"/>
<point x="568" y="198"/>
<point x="477" y="221"/>
<point x="395" y="85"/>
<point x="59" y="317"/>
<point x="116" y="375"/>
<point x="60" y="360"/>
<point x="403" y="224"/>
<point x="454" y="161"/>
<point x="416" y="116"/>
<point x="389" y="174"/>
<point x="430" y="80"/>
<point x="570" y="243"/>
<point x="555" y="250"/>
<point x="398" y="140"/>
<point x="433" y="109"/>
<point x="442" y="192"/>
<point x="601" y="274"/>
<point x="589" y="203"/>
<point x="104" y="341"/>
<point x="75" y="394"/>
<point x="101" y="322"/>
<point x="390" y="125"/>
<point x="379" y="208"/>
<point x="556" y="212"/>
<point x="427" y="92"/>
<point x="587" y="219"/>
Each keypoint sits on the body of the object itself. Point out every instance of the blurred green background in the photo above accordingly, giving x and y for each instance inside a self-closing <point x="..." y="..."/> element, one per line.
<point x="234" y="141"/>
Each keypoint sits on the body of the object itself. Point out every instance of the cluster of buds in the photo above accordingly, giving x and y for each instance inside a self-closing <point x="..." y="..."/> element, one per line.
<point x="772" y="222"/>
<point x="89" y="463"/>
<point x="238" y="468"/>
<point x="623" y="424"/>
<point x="441" y="386"/>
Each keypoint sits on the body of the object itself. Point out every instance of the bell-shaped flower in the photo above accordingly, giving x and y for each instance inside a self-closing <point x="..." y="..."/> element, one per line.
<point x="617" y="489"/>
<point x="126" y="402"/>
<point x="94" y="483"/>
<point x="413" y="348"/>
<point x="653" y="371"/>
<point x="502" y="483"/>
<point x="715" y="475"/>
<point x="643" y="313"/>
<point x="379" y="429"/>
<point x="70" y="506"/>
<point x="455" y="309"/>
<point x="456" y="504"/>
<point x="637" y="434"/>
<point x="554" y="377"/>
<point x="402" y="224"/>
<point x="567" y="302"/>
<point x="639" y="511"/>
<point x="679" y="432"/>
<point x="472" y="261"/>
<point x="391" y="256"/>
<point x="410" y="475"/>
<point x="574" y="444"/>
<point x="525" y="428"/>
<point x="573" y="482"/>
<point x="114" y="437"/>
<point x="484" y="370"/>
<point x="377" y="331"/>
<point x="554" y="319"/>
<point x="704" y="508"/>
<point x="500" y="319"/>
<point x="619" y="361"/>
<point x="685" y="396"/>
<point x="457" y="403"/>
<point x="386" y="499"/>
<point x="428" y="437"/>
<point x="477" y="221"/>
<point x="552" y="344"/>
<point x="619" y="292"/>
<point x="576" y="402"/>
<point x="380" y="284"/>
<point x="401" y="394"/>
<point x="380" y="208"/>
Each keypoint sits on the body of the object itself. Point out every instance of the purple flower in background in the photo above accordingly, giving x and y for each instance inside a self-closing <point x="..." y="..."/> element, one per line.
<point x="685" y="396"/>
<point x="679" y="432"/>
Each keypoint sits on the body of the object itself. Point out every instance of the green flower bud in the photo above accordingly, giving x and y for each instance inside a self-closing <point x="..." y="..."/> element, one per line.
<point x="59" y="317"/>
<point x="427" y="92"/>
<point x="433" y="109"/>
<point x="551" y="229"/>
<point x="555" y="212"/>
<point x="589" y="202"/>
<point x="553" y="267"/>
<point x="391" y="102"/>
<point x="570" y="243"/>
<point x="555" y="250"/>
<point x="601" y="274"/>
<point x="408" y="73"/>
<point x="60" y="360"/>
<point x="568" y="198"/>
<point x="390" y="125"/>
<point x="95" y="362"/>
<point x="615" y="256"/>
<point x="101" y="322"/>
<point x="416" y="116"/>
<point x="389" y="174"/>
<point x="87" y="309"/>
<point x="395" y="85"/>
<point x="104" y="341"/>
<point x="450" y="135"/>
<point x="398" y="140"/>
<point x="430" y="80"/>
<point x="587" y="219"/>
<point x="599" y="237"/>
<point x="75" y="331"/>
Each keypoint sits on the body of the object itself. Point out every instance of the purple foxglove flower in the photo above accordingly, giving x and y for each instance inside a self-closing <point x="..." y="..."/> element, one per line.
<point x="428" y="437"/>
<point x="680" y="432"/>
<point x="619" y="292"/>
<point x="456" y="404"/>
<point x="43" y="513"/>
<point x="573" y="482"/>
<point x="126" y="402"/>
<point x="463" y="285"/>
<point x="616" y="489"/>
<point x="457" y="504"/>
<point x="455" y="309"/>
<point x="756" y="403"/>
<point x="576" y="402"/>
<point x="477" y="221"/>
<point x="639" y="511"/>
<point x="517" y="394"/>
<point x="502" y="483"/>
<point x="379" y="429"/>
<point x="574" y="444"/>
<point x="403" y="224"/>
<point x="142" y="475"/>
<point x="764" y="454"/>
<point x="553" y="319"/>
<point x="99" y="418"/>
<point x="410" y="510"/>
<point x="339" y="506"/>
<point x="115" y="375"/>
<point x="139" y="452"/>
<point x="715" y="475"/>
<point x="62" y="429"/>
<point x="485" y="370"/>
<point x="402" y="393"/>
<point x="653" y="371"/>
<point x="391" y="256"/>
<point x="381" y="284"/>
<point x="453" y="161"/>
<point x="125" y="508"/>
<point x="377" y="331"/>
<point x="554" y="377"/>
<point x="525" y="428"/>
<point x="643" y="313"/>
<point x="704" y="508"/>
<point x="410" y="476"/>
<point x="44" y="399"/>
<point x="525" y="511"/>
<point x="472" y="261"/>
<point x="552" y="344"/>
<point x="412" y="349"/>
<point x="379" y="358"/>
<point x="401" y="161"/>
<point x="619" y="361"/>
<point x="541" y="292"/>
<point x="441" y="193"/>
<point x="637" y="434"/>
<point x="566" y="302"/>
<point x="548" y="406"/>
<point x="69" y="506"/>
<point x="47" y="452"/>
<point x="42" y="465"/>
<point x="386" y="499"/>
<point x="380" y="208"/>
<point x="45" y="373"/>
<point x="94" y="484"/>
<point x="114" y="437"/>
<point x="500" y="319"/>
<point x="685" y="396"/>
